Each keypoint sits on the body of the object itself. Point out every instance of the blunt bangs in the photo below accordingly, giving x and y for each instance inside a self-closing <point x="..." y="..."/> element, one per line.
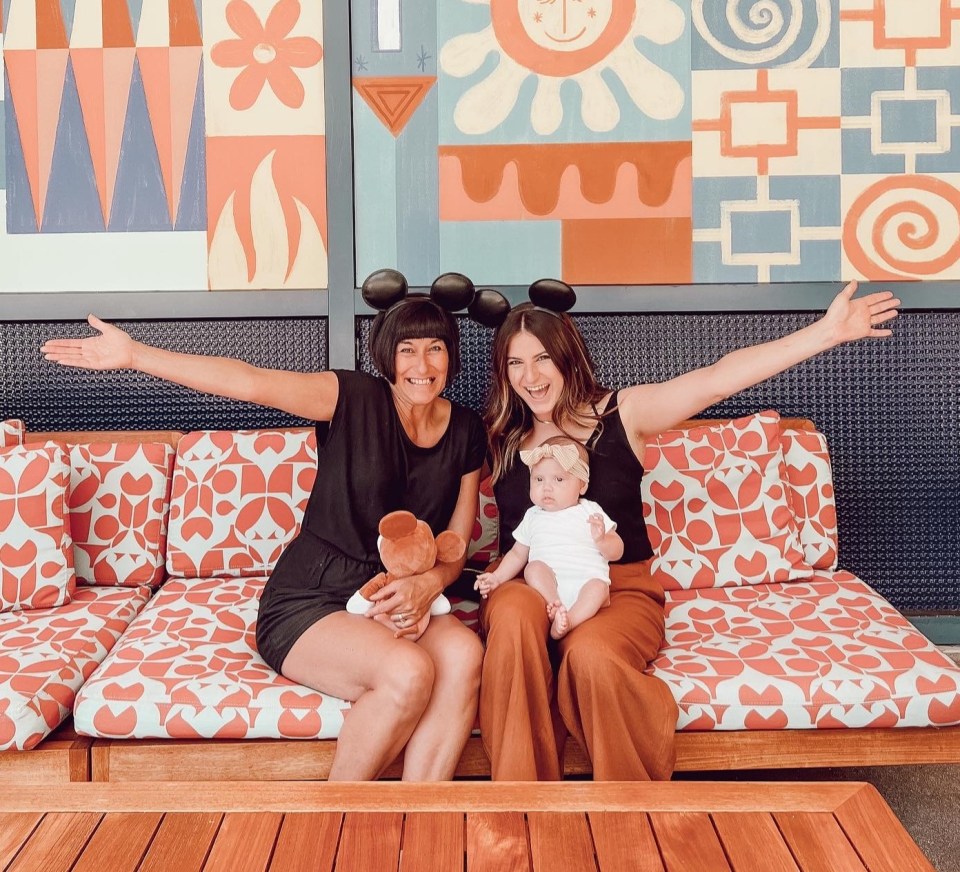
<point x="415" y="317"/>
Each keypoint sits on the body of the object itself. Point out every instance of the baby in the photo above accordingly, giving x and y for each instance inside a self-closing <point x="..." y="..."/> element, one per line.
<point x="564" y="544"/>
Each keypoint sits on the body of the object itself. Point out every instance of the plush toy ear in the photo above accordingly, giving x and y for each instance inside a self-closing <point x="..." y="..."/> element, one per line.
<point x="450" y="547"/>
<point x="383" y="288"/>
<point x="398" y="524"/>
<point x="552" y="294"/>
<point x="452" y="291"/>
<point x="489" y="307"/>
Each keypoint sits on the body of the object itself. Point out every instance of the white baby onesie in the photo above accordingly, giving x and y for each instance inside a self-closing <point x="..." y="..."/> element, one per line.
<point x="563" y="541"/>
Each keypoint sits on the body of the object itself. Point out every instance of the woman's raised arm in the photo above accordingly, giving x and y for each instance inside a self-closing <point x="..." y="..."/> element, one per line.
<point x="306" y="395"/>
<point x="649" y="409"/>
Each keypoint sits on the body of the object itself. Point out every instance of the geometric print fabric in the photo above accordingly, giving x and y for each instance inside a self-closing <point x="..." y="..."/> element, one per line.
<point x="716" y="506"/>
<point x="36" y="554"/>
<point x="827" y="653"/>
<point x="119" y="503"/>
<point x="47" y="654"/>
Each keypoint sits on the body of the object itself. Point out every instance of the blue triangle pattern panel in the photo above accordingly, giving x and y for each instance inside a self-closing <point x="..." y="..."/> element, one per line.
<point x="139" y="200"/>
<point x="72" y="204"/>
<point x="20" y="213"/>
<point x="193" y="190"/>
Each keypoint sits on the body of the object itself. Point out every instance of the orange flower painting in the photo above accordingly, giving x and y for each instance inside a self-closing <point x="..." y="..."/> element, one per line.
<point x="267" y="53"/>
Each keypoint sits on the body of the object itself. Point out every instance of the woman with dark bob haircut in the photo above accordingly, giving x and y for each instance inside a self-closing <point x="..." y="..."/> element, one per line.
<point x="543" y="386"/>
<point x="384" y="443"/>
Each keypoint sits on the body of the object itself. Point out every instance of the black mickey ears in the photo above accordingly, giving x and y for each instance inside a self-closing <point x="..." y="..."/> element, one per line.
<point x="384" y="288"/>
<point x="552" y="294"/>
<point x="491" y="308"/>
<point x="451" y="291"/>
<point x="454" y="291"/>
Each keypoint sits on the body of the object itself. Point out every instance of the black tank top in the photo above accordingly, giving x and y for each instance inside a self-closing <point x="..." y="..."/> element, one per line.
<point x="367" y="466"/>
<point x="615" y="475"/>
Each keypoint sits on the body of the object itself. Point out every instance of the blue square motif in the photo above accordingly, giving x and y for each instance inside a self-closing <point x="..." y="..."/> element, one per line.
<point x="908" y="121"/>
<point x="767" y="232"/>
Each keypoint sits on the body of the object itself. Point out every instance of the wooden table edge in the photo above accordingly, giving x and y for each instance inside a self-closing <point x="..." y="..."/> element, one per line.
<point x="237" y="796"/>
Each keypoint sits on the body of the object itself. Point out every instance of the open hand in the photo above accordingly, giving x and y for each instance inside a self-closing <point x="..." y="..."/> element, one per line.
<point x="860" y="318"/>
<point x="485" y="583"/>
<point x="597" y="528"/>
<point x="112" y="349"/>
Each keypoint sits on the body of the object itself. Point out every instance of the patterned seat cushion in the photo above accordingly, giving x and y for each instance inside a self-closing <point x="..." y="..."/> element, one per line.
<point x="238" y="497"/>
<point x="36" y="553"/>
<point x="46" y="654"/>
<point x="484" y="545"/>
<point x="118" y="503"/>
<point x="716" y="507"/>
<point x="823" y="653"/>
<point x="809" y="479"/>
<point x="11" y="432"/>
<point x="188" y="668"/>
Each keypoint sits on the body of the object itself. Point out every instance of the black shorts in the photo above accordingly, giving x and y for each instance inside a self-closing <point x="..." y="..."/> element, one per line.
<point x="312" y="579"/>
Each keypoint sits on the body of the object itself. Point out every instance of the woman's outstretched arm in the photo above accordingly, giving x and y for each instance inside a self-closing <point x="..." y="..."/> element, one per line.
<point x="307" y="395"/>
<point x="649" y="409"/>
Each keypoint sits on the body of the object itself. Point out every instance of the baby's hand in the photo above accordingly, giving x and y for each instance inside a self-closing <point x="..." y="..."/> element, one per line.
<point x="486" y="582"/>
<point x="597" y="529"/>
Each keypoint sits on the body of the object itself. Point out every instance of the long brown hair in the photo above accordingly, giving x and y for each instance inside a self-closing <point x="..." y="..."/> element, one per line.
<point x="508" y="417"/>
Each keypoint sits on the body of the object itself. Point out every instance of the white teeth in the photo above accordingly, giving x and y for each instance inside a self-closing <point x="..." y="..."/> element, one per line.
<point x="420" y="381"/>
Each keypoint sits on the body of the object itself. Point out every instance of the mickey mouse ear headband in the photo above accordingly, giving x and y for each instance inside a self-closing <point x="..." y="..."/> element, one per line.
<point x="453" y="291"/>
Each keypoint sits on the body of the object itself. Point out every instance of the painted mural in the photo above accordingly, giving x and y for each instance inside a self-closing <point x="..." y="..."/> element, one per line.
<point x="658" y="141"/>
<point x="162" y="145"/>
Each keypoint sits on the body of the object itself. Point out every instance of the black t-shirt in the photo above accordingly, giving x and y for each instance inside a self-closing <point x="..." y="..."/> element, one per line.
<point x="367" y="466"/>
<point x="615" y="475"/>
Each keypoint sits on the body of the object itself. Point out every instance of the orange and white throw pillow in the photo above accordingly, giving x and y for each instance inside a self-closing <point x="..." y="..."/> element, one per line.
<point x="484" y="545"/>
<point x="36" y="554"/>
<point x="810" y="490"/>
<point x="238" y="497"/>
<point x="716" y="506"/>
<point x="11" y="432"/>
<point x="119" y="500"/>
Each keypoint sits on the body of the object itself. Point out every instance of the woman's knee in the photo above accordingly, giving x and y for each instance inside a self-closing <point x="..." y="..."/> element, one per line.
<point x="513" y="610"/>
<point x="408" y="676"/>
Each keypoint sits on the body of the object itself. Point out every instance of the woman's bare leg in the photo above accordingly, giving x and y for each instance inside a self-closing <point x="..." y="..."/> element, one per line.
<point x="438" y="739"/>
<point x="388" y="680"/>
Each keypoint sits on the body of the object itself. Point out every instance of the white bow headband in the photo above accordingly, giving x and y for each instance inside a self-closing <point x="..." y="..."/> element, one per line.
<point x="568" y="456"/>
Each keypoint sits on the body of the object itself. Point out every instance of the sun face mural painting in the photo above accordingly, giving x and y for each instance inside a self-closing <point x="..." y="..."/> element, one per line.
<point x="662" y="142"/>
<point x="163" y="145"/>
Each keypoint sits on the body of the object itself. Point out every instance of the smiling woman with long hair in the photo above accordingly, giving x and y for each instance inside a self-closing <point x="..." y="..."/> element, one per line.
<point x="544" y="386"/>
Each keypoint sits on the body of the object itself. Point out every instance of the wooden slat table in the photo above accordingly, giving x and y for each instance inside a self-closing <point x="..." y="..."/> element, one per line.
<point x="473" y="826"/>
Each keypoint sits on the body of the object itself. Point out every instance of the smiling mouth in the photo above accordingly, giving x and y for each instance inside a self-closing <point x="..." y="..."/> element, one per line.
<point x="568" y="39"/>
<point x="537" y="391"/>
<point x="420" y="381"/>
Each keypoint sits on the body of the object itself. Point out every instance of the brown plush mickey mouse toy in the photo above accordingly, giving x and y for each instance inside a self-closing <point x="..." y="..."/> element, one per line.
<point x="407" y="547"/>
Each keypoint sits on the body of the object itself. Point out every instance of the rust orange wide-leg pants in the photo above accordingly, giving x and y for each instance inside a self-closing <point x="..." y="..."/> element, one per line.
<point x="625" y="720"/>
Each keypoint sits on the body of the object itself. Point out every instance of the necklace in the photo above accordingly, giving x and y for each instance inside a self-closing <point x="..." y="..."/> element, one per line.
<point x="535" y="418"/>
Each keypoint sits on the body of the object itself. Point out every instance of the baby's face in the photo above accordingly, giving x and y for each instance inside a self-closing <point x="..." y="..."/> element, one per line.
<point x="552" y="487"/>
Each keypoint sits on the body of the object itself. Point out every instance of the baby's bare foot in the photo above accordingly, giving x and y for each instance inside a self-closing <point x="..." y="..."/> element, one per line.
<point x="561" y="623"/>
<point x="552" y="609"/>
